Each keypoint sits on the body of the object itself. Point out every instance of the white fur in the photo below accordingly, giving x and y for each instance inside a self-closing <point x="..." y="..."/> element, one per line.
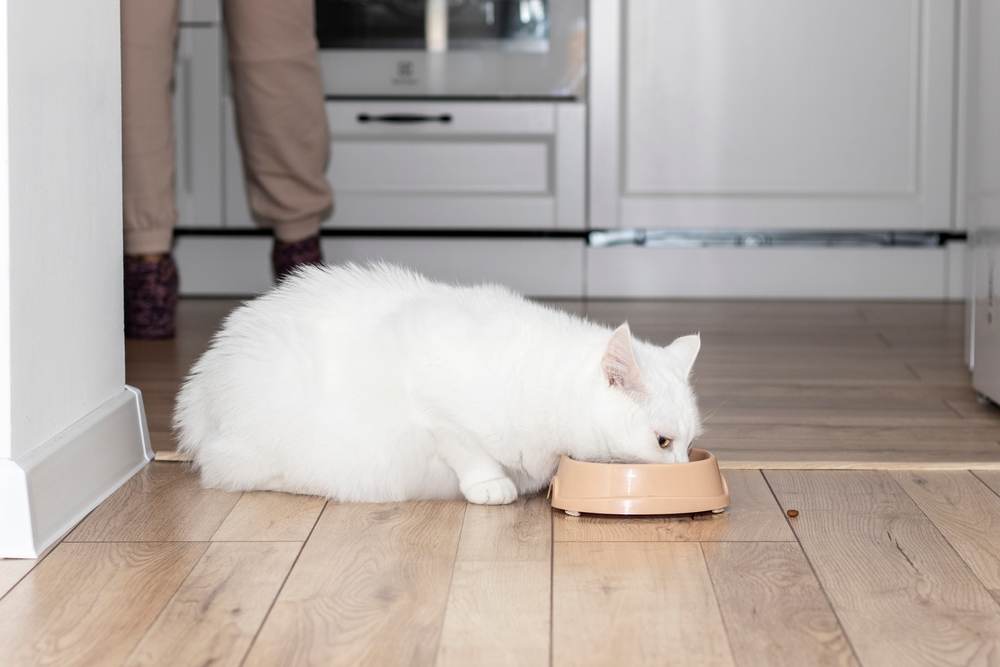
<point x="376" y="384"/>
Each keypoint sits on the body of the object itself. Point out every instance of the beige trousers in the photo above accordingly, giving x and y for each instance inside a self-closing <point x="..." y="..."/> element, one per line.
<point x="280" y="113"/>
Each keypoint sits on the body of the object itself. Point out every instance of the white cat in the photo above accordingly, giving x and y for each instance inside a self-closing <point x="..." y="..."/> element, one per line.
<point x="376" y="384"/>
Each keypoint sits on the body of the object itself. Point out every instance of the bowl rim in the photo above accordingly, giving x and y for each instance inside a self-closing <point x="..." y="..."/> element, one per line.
<point x="708" y="458"/>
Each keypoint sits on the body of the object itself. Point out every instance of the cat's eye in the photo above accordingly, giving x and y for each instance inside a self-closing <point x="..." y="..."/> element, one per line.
<point x="663" y="441"/>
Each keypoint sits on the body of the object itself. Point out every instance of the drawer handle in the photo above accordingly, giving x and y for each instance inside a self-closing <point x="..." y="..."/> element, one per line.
<point x="405" y="118"/>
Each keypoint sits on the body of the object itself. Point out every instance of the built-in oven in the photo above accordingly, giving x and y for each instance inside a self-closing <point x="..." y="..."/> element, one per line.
<point x="453" y="48"/>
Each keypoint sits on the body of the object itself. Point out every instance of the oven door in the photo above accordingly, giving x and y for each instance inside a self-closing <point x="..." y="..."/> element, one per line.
<point x="453" y="48"/>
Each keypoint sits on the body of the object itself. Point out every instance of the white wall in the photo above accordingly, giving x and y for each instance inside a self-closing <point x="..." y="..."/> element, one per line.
<point x="5" y="439"/>
<point x="71" y="432"/>
<point x="63" y="215"/>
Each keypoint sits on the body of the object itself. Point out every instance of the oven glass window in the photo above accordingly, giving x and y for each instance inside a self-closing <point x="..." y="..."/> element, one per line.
<point x="499" y="25"/>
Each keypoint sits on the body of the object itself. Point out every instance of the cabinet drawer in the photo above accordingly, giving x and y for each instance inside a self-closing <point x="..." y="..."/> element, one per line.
<point x="492" y="166"/>
<point x="420" y="166"/>
<point x="439" y="118"/>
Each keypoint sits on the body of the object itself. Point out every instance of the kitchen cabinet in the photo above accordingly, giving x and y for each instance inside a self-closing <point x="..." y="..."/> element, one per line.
<point x="979" y="167"/>
<point x="780" y="114"/>
<point x="198" y="94"/>
<point x="979" y="186"/>
<point x="445" y="165"/>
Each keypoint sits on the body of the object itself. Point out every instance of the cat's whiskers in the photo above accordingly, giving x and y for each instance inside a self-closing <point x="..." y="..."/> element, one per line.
<point x="707" y="418"/>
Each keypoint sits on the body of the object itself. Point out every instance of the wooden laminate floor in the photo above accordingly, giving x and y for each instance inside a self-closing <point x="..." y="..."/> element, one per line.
<point x="782" y="384"/>
<point x="896" y="564"/>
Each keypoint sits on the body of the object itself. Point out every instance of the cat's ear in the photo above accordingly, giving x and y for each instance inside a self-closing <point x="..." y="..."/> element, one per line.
<point x="619" y="364"/>
<point x="685" y="350"/>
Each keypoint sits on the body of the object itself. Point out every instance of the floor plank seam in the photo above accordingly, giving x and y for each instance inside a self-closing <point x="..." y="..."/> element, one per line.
<point x="181" y="541"/>
<point x="17" y="582"/>
<point x="552" y="585"/>
<point x="983" y="482"/>
<point x="944" y="537"/>
<point x="792" y="541"/>
<point x="228" y="514"/>
<point x="166" y="603"/>
<point x="38" y="561"/>
<point x="885" y="339"/>
<point x="863" y="467"/>
<point x="951" y="407"/>
<point x="451" y="580"/>
<point x="284" y="581"/>
<point x="815" y="574"/>
<point x="913" y="371"/>
<point x="718" y="605"/>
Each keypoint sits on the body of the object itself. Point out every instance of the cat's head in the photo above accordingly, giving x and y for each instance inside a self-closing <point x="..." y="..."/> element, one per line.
<point x="649" y="413"/>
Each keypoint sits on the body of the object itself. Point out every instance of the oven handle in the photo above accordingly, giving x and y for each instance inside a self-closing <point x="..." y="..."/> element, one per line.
<point x="404" y="118"/>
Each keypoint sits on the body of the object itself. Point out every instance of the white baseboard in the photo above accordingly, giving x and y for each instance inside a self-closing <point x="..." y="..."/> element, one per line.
<point x="777" y="273"/>
<point x="240" y="266"/>
<point x="45" y="494"/>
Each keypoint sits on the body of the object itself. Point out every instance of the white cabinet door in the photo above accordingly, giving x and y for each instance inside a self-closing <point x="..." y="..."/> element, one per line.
<point x="820" y="114"/>
<point x="979" y="186"/>
<point x="467" y="165"/>
<point x="979" y="164"/>
<point x="198" y="126"/>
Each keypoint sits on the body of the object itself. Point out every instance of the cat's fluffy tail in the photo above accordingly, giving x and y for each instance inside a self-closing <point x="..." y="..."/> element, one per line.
<point x="222" y="461"/>
<point x="191" y="420"/>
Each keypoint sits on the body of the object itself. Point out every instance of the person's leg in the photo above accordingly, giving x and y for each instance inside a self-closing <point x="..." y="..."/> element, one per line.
<point x="281" y="121"/>
<point x="149" y="34"/>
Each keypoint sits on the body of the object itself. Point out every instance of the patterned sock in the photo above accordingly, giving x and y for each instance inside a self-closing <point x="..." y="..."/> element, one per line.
<point x="151" y="288"/>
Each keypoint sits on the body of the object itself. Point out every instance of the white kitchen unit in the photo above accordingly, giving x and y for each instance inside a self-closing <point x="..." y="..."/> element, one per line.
<point x="472" y="173"/>
<point x="198" y="94"/>
<point x="979" y="185"/>
<point x="829" y="114"/>
<point x="445" y="165"/>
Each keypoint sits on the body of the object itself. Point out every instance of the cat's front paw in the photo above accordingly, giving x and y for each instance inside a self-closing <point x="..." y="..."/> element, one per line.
<point x="500" y="491"/>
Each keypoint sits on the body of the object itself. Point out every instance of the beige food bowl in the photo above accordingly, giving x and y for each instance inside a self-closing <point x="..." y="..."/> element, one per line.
<point x="640" y="488"/>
